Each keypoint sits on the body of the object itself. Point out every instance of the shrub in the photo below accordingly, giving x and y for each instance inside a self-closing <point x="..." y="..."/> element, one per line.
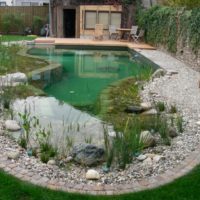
<point x="160" y="106"/>
<point x="173" y="109"/>
<point x="38" y="22"/>
<point x="11" y="22"/>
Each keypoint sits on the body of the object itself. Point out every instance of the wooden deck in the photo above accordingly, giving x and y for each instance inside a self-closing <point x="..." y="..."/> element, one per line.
<point x="89" y="42"/>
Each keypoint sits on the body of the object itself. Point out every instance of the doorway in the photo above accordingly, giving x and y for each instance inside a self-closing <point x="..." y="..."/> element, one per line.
<point x="69" y="23"/>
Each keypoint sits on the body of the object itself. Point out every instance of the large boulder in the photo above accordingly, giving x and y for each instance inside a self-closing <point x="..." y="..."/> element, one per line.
<point x="87" y="154"/>
<point x="12" y="125"/>
<point x="14" y="79"/>
<point x="147" y="139"/>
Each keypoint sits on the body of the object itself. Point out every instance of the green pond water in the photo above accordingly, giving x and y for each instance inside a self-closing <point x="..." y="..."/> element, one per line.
<point x="85" y="73"/>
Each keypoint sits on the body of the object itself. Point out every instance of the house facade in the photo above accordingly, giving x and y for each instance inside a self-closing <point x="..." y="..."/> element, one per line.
<point x="73" y="20"/>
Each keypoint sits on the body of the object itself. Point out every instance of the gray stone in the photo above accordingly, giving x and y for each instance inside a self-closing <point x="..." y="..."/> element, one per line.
<point x="13" y="79"/>
<point x="92" y="175"/>
<point x="172" y="132"/>
<point x="141" y="157"/>
<point x="146" y="139"/>
<point x="171" y="72"/>
<point x="87" y="154"/>
<point x="158" y="73"/>
<point x="13" y="155"/>
<point x="12" y="125"/>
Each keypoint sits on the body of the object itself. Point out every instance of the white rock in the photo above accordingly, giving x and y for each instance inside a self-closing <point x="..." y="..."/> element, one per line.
<point x="92" y="175"/>
<point x="17" y="77"/>
<point x="148" y="162"/>
<point x="198" y="123"/>
<point x="12" y="125"/>
<point x="157" y="158"/>
<point x="141" y="157"/>
<point x="13" y="155"/>
<point x="51" y="162"/>
<point x="69" y="159"/>
<point x="150" y="112"/>
<point x="150" y="155"/>
<point x="146" y="105"/>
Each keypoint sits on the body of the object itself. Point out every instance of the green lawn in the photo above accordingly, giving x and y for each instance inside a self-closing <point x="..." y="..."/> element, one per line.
<point x="9" y="38"/>
<point x="185" y="188"/>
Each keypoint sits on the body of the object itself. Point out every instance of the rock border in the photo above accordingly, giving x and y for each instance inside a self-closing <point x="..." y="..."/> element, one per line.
<point x="99" y="189"/>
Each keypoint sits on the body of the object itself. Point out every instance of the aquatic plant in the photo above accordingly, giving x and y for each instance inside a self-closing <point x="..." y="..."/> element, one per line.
<point x="179" y="123"/>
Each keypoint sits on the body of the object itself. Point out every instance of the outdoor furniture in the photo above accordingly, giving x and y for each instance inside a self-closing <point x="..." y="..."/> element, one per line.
<point x="98" y="32"/>
<point x="140" y="35"/>
<point x="133" y="31"/>
<point x="123" y="32"/>
<point x="113" y="33"/>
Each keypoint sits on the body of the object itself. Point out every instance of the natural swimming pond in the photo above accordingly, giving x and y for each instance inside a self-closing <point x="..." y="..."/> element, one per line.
<point x="85" y="73"/>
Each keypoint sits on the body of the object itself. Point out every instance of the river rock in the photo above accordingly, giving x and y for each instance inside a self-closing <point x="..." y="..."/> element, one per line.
<point x="146" y="139"/>
<point x="12" y="125"/>
<point x="148" y="162"/>
<point x="172" y="132"/>
<point x="157" y="158"/>
<point x="92" y="175"/>
<point x="146" y="105"/>
<point x="158" y="73"/>
<point x="87" y="154"/>
<point x="141" y="157"/>
<point x="13" y="155"/>
<point x="150" y="112"/>
<point x="14" y="79"/>
<point x="51" y="162"/>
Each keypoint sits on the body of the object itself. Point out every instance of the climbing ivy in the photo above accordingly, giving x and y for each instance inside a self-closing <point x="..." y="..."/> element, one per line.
<point x="167" y="25"/>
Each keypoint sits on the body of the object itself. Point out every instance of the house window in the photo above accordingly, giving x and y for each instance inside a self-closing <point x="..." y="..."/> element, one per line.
<point x="90" y="19"/>
<point x="115" y="19"/>
<point x="104" y="19"/>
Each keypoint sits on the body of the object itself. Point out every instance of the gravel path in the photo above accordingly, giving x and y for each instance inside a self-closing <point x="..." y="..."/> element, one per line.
<point x="180" y="89"/>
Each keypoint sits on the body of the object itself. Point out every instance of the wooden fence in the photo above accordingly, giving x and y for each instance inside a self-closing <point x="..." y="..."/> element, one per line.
<point x="28" y="13"/>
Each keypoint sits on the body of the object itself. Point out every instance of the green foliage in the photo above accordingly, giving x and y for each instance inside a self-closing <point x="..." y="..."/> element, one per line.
<point x="179" y="124"/>
<point x="12" y="21"/>
<point x="38" y="22"/>
<point x="187" y="3"/>
<point x="166" y="25"/>
<point x="160" y="106"/>
<point x="27" y="123"/>
<point x="173" y="109"/>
